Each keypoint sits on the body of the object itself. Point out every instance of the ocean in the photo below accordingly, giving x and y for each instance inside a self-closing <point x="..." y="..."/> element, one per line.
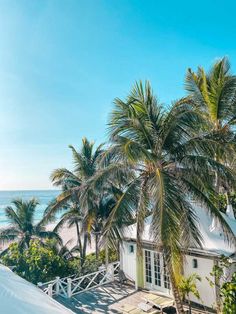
<point x="44" y="198"/>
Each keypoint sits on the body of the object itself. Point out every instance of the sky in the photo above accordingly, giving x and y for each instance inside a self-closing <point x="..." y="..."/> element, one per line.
<point x="62" y="62"/>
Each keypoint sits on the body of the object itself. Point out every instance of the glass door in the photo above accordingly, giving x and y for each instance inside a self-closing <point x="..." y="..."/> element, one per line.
<point x="155" y="271"/>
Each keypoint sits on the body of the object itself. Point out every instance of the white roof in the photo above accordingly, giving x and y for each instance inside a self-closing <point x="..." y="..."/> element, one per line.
<point x="20" y="296"/>
<point x="213" y="239"/>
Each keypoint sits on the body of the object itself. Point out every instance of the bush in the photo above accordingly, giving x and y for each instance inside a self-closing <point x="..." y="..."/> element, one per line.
<point x="42" y="263"/>
<point x="226" y="284"/>
<point x="228" y="292"/>
<point x="38" y="263"/>
<point x="92" y="264"/>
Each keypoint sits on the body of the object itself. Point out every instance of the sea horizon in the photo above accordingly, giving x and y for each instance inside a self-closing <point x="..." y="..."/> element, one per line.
<point x="44" y="197"/>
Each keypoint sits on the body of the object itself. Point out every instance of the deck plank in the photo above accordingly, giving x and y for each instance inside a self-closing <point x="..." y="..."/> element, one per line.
<point x="106" y="299"/>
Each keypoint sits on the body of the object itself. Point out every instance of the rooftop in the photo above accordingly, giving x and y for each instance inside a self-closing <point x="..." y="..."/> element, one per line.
<point x="212" y="234"/>
<point x="20" y="296"/>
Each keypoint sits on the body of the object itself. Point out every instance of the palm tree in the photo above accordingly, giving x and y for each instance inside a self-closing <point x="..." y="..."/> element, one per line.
<point x="188" y="285"/>
<point x="72" y="217"/>
<point x="60" y="249"/>
<point x="213" y="94"/>
<point x="98" y="215"/>
<point x="22" y="223"/>
<point x="86" y="163"/>
<point x="170" y="167"/>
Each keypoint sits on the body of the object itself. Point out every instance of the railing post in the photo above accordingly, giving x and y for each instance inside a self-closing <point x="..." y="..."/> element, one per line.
<point x="57" y="285"/>
<point x="50" y="290"/>
<point x="69" y="293"/>
<point x="110" y="272"/>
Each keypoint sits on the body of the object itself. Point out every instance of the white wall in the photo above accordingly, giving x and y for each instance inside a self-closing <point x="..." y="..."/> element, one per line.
<point x="128" y="260"/>
<point x="207" y="293"/>
<point x="205" y="265"/>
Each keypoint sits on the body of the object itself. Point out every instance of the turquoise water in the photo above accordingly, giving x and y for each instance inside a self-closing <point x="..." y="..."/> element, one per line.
<point x="44" y="198"/>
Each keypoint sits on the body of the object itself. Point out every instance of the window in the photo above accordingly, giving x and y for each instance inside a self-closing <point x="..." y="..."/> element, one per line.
<point x="166" y="277"/>
<point x="157" y="269"/>
<point x="148" y="267"/>
<point x="131" y="248"/>
<point x="195" y="263"/>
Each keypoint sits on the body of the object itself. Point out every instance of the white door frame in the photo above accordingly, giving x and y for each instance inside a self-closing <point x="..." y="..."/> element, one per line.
<point x="155" y="276"/>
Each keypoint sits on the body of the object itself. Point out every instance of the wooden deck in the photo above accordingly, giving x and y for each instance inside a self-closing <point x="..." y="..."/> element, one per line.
<point x="106" y="299"/>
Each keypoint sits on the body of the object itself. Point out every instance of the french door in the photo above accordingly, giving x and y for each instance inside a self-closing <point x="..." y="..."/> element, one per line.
<point x="155" y="272"/>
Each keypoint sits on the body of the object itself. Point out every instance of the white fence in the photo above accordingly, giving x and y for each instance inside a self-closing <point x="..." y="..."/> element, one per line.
<point x="72" y="285"/>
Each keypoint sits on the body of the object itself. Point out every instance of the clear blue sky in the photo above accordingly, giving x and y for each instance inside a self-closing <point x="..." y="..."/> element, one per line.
<point x="62" y="62"/>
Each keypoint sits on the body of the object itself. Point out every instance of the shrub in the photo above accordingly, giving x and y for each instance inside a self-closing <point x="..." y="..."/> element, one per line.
<point x="41" y="263"/>
<point x="38" y="263"/>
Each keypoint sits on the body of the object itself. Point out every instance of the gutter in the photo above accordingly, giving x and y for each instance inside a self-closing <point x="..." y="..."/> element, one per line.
<point x="190" y="251"/>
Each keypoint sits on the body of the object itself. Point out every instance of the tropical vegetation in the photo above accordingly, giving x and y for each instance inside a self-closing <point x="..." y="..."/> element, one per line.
<point x="86" y="163"/>
<point x="37" y="263"/>
<point x="187" y="286"/>
<point x="158" y="161"/>
<point x="225" y="284"/>
<point x="23" y="226"/>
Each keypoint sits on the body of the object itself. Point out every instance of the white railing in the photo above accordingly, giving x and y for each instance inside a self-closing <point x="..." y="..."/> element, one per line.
<point x="55" y="287"/>
<point x="93" y="280"/>
<point x="72" y="285"/>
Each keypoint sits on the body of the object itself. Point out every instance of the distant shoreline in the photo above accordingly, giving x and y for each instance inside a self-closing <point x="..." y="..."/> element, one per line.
<point x="68" y="235"/>
<point x="31" y="190"/>
<point x="44" y="198"/>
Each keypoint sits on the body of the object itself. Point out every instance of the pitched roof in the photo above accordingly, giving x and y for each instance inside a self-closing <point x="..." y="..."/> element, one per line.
<point x="213" y="238"/>
<point x="20" y="296"/>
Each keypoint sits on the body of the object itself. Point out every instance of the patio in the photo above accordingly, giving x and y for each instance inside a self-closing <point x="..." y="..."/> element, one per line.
<point x="109" y="299"/>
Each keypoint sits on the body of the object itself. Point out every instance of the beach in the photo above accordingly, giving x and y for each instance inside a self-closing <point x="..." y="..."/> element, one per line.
<point x="68" y="235"/>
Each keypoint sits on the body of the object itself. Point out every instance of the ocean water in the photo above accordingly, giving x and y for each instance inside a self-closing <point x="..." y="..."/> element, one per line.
<point x="44" y="198"/>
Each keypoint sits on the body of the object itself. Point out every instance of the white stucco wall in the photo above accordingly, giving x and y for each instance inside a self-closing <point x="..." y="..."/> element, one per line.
<point x="128" y="260"/>
<point x="207" y="293"/>
<point x="204" y="267"/>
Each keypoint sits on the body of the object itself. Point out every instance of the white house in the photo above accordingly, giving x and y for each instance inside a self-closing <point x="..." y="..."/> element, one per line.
<point x="196" y="260"/>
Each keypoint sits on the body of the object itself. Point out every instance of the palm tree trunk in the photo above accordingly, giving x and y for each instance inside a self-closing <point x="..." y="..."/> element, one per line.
<point x="84" y="249"/>
<point x="176" y="294"/>
<point x="106" y="255"/>
<point x="78" y="238"/>
<point x="174" y="286"/>
<point x="96" y="246"/>
<point x="189" y="305"/>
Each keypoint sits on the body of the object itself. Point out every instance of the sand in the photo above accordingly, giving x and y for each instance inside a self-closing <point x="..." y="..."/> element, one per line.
<point x="68" y="235"/>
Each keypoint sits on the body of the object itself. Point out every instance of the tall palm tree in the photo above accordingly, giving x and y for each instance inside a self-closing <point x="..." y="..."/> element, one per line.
<point x="170" y="167"/>
<point x="86" y="163"/>
<point x="22" y="226"/>
<point x="98" y="214"/>
<point x="213" y="94"/>
<point x="73" y="218"/>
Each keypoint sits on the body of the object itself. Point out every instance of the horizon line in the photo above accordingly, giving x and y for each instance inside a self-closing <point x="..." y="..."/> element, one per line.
<point x="19" y="190"/>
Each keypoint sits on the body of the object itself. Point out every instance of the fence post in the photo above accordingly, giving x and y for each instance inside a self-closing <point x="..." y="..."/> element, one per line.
<point x="69" y="293"/>
<point x="50" y="290"/>
<point x="57" y="285"/>
<point x="110" y="272"/>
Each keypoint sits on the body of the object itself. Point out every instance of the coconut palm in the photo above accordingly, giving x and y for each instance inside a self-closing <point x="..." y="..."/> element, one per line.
<point x="73" y="218"/>
<point x="170" y="167"/>
<point x="23" y="227"/>
<point x="86" y="163"/>
<point x="97" y="216"/>
<point x="60" y="249"/>
<point x="188" y="285"/>
<point x="213" y="94"/>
